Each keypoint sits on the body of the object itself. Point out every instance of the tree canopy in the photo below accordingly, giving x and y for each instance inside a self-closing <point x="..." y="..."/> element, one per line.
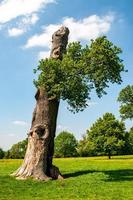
<point x="65" y="145"/>
<point x="128" y="147"/>
<point x="81" y="70"/>
<point x="107" y="134"/>
<point x="17" y="150"/>
<point x="130" y="141"/>
<point x="86" y="147"/>
<point x="126" y="100"/>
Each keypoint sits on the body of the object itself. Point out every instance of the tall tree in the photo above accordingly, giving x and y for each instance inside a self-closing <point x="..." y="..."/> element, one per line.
<point x="107" y="135"/>
<point x="69" y="75"/>
<point x="126" y="100"/>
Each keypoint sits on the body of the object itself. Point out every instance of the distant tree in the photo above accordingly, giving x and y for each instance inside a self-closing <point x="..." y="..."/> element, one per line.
<point x="65" y="145"/>
<point x="1" y="153"/>
<point x="131" y="139"/>
<point x="129" y="142"/>
<point x="126" y="100"/>
<point x="86" y="148"/>
<point x="7" y="154"/>
<point x="18" y="150"/>
<point x="107" y="135"/>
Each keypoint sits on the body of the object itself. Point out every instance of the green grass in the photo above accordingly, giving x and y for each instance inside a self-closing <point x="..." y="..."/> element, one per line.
<point x="85" y="178"/>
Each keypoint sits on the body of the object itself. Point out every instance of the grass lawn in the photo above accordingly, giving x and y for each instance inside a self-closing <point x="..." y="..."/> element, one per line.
<point x="95" y="178"/>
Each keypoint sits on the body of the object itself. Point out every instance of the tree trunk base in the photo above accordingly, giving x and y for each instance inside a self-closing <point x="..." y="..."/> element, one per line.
<point x="22" y="174"/>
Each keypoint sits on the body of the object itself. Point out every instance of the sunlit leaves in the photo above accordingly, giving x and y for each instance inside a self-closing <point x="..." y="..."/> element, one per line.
<point x="81" y="70"/>
<point x="107" y="134"/>
<point x="126" y="100"/>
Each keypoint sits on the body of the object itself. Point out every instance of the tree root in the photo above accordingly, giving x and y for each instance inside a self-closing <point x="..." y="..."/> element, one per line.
<point x="55" y="173"/>
<point x="23" y="174"/>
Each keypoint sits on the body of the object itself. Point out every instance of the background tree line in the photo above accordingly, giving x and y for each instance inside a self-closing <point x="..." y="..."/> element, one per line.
<point x="107" y="136"/>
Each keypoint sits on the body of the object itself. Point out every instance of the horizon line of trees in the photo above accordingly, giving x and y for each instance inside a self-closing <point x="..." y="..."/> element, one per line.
<point x="107" y="136"/>
<point x="102" y="142"/>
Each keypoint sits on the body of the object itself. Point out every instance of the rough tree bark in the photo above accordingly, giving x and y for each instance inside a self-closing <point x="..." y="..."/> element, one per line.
<point x="38" y="158"/>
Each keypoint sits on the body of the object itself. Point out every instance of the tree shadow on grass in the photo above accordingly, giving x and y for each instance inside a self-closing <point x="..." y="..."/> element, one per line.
<point x="119" y="175"/>
<point x="78" y="173"/>
<point x="122" y="158"/>
<point x="112" y="175"/>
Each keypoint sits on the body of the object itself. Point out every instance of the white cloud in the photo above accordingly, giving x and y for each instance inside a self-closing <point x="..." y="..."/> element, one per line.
<point x="13" y="32"/>
<point x="20" y="123"/>
<point x="11" y="9"/>
<point x="88" y="28"/>
<point x="44" y="39"/>
<point x="23" y="25"/>
<point x="30" y="20"/>
<point x="43" y="55"/>
<point x="84" y="29"/>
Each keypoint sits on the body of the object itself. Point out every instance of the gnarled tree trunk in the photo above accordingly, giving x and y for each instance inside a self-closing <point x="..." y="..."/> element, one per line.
<point x="38" y="158"/>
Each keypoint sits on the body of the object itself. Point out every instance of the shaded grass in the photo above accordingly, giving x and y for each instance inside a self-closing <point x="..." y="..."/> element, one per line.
<point x="95" y="178"/>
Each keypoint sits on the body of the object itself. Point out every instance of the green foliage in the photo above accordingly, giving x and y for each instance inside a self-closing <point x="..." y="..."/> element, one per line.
<point x="1" y="153"/>
<point x="104" y="64"/>
<point x="126" y="100"/>
<point x="18" y="150"/>
<point x="7" y="154"/>
<point x="106" y="136"/>
<point x="81" y="70"/>
<point x="65" y="145"/>
<point x="86" y="148"/>
<point x="129" y="141"/>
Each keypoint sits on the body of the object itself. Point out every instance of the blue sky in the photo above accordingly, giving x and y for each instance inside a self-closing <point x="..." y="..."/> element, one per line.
<point x="25" y="37"/>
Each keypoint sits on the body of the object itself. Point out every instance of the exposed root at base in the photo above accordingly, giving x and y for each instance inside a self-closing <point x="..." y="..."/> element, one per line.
<point x="40" y="178"/>
<point x="23" y="174"/>
<point x="55" y="173"/>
